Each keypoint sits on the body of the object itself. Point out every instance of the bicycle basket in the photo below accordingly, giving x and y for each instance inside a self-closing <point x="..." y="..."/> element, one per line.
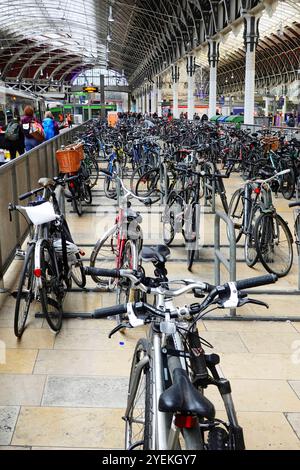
<point x="270" y="143"/>
<point x="41" y="214"/>
<point x="69" y="158"/>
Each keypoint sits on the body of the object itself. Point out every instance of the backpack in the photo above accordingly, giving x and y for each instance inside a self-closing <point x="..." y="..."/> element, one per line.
<point x="49" y="128"/>
<point x="36" y="131"/>
<point x="12" y="131"/>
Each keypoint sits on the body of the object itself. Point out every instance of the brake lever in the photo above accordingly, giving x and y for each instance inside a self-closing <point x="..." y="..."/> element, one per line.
<point x="252" y="301"/>
<point x="121" y="326"/>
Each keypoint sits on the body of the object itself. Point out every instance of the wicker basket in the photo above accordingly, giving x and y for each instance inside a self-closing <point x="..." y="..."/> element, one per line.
<point x="270" y="143"/>
<point x="69" y="158"/>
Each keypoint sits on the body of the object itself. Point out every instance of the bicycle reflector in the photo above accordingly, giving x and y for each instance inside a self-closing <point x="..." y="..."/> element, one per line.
<point x="257" y="190"/>
<point x="185" y="421"/>
<point x="37" y="272"/>
<point x="72" y="185"/>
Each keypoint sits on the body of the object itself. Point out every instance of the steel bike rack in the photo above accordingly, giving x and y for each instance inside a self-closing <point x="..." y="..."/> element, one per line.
<point x="220" y="258"/>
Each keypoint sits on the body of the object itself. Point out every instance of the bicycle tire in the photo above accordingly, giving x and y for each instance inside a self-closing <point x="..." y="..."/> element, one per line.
<point x="88" y="198"/>
<point x="106" y="246"/>
<point x="94" y="176"/>
<point x="266" y="233"/>
<point x="234" y="212"/>
<point x="144" y="402"/>
<point x="25" y="284"/>
<point x="170" y="216"/>
<point x="123" y="291"/>
<point x="287" y="181"/>
<point x="78" y="275"/>
<point x="146" y="185"/>
<point x="77" y="203"/>
<point x="52" y="290"/>
<point x="250" y="251"/>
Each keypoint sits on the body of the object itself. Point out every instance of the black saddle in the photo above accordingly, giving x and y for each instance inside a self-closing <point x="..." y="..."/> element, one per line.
<point x="158" y="253"/>
<point x="183" y="397"/>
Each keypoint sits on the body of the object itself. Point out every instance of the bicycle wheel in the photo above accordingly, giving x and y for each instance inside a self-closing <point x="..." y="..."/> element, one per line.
<point x="94" y="173"/>
<point x="274" y="244"/>
<point x="236" y="212"/>
<point x="250" y="251"/>
<point x="87" y="195"/>
<point x="52" y="290"/>
<point x="287" y="181"/>
<point x="139" y="415"/>
<point x="297" y="232"/>
<point x="129" y="261"/>
<point x="189" y="231"/>
<point x="172" y="218"/>
<point x="137" y="173"/>
<point x="77" y="270"/>
<point x="76" y="201"/>
<point x="25" y="294"/>
<point x="104" y="256"/>
<point x="147" y="185"/>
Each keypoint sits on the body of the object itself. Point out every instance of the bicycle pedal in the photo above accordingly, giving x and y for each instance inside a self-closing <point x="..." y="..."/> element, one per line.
<point x="20" y="255"/>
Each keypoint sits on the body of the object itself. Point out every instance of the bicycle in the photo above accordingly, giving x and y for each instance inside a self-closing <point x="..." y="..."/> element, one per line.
<point x="52" y="260"/>
<point x="166" y="407"/>
<point x="120" y="245"/>
<point x="263" y="228"/>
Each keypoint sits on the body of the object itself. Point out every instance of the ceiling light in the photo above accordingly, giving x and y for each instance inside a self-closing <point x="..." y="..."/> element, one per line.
<point x="110" y="18"/>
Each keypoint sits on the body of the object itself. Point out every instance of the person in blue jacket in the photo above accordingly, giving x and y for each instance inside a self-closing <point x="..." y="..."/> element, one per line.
<point x="50" y="126"/>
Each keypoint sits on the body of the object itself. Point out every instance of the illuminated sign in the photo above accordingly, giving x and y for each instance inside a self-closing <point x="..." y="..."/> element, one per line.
<point x="90" y="89"/>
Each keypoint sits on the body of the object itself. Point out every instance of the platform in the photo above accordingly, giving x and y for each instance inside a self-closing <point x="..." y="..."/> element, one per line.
<point x="69" y="391"/>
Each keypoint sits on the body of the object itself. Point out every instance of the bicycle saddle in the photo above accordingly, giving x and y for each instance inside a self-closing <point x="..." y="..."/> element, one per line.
<point x="131" y="215"/>
<point x="183" y="397"/>
<point x="158" y="253"/>
<point x="46" y="182"/>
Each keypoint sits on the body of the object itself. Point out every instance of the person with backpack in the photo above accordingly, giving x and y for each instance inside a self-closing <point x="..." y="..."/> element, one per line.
<point x="50" y="126"/>
<point x="14" y="137"/>
<point x="291" y="121"/>
<point x="32" y="129"/>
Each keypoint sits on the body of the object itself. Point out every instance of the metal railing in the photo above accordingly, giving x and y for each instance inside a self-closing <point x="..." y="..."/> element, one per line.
<point x="290" y="132"/>
<point x="17" y="177"/>
<point x="220" y="258"/>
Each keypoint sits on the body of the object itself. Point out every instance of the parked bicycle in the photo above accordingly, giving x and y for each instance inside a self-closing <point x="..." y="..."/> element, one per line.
<point x="166" y="407"/>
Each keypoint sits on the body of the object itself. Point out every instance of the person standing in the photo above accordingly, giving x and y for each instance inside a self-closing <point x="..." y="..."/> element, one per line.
<point x="27" y="120"/>
<point x="14" y="137"/>
<point x="50" y="126"/>
<point x="69" y="120"/>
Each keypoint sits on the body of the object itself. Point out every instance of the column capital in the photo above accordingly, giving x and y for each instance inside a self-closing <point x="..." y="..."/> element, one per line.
<point x="175" y="73"/>
<point x="251" y="31"/>
<point x="190" y="65"/>
<point x="213" y="51"/>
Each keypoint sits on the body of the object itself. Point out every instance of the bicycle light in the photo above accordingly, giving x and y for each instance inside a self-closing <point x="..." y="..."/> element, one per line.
<point x="37" y="272"/>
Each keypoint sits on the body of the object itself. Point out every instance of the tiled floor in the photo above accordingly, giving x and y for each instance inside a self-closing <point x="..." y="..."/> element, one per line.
<point x="69" y="390"/>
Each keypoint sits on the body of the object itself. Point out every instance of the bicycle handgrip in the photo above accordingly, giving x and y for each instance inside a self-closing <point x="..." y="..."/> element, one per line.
<point x="115" y="273"/>
<point x="110" y="311"/>
<point x="294" y="204"/>
<point x="256" y="281"/>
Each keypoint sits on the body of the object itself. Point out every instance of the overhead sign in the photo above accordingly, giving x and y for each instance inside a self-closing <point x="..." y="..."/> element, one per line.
<point x="90" y="89"/>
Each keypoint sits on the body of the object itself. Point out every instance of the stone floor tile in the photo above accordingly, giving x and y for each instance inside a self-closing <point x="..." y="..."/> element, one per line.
<point x="267" y="431"/>
<point x="98" y="392"/>
<point x="21" y="389"/>
<point x="92" y="340"/>
<point x="69" y="427"/>
<point x="258" y="395"/>
<point x="224" y="342"/>
<point x="294" y="420"/>
<point x="295" y="384"/>
<point x="31" y="339"/>
<point x="8" y="418"/>
<point x="260" y="366"/>
<point x="106" y="363"/>
<point x="19" y="361"/>
<point x="250" y="326"/>
<point x="264" y="342"/>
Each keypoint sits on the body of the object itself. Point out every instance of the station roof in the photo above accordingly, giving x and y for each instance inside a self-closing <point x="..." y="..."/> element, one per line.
<point x="57" y="39"/>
